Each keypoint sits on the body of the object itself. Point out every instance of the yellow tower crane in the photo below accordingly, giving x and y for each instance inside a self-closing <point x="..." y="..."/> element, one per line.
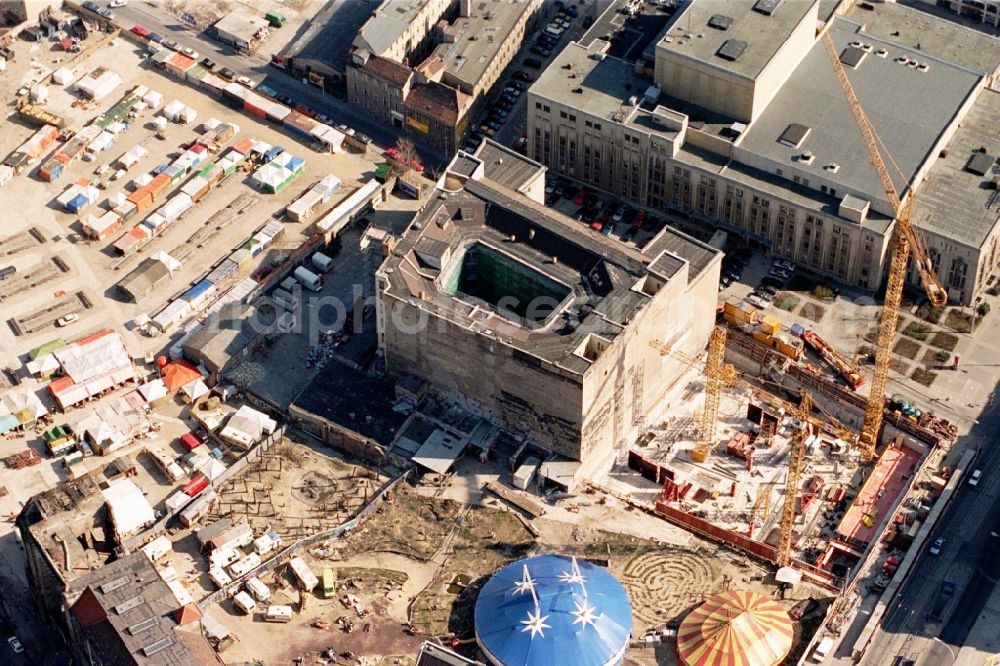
<point x="906" y="240"/>
<point x="761" y="506"/>
<point x="796" y="458"/>
<point x="719" y="375"/>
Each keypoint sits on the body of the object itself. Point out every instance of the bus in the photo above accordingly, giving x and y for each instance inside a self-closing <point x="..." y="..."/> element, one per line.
<point x="329" y="583"/>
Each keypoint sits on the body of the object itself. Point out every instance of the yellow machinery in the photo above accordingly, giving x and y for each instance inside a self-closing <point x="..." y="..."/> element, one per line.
<point x="906" y="241"/>
<point x="796" y="457"/>
<point x="718" y="374"/>
<point x="761" y="506"/>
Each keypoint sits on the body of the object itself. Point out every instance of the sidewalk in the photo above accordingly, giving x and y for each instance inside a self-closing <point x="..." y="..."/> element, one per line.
<point x="982" y="646"/>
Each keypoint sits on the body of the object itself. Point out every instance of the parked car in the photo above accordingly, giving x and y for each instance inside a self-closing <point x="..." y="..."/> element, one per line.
<point x="724" y="281"/>
<point x="619" y="213"/>
<point x="286" y="100"/>
<point x="572" y="11"/>
<point x="937" y="546"/>
<point x="92" y="6"/>
<point x="588" y="21"/>
<point x="517" y="85"/>
<point x="974" y="479"/>
<point x="533" y="63"/>
<point x="499" y="113"/>
<point x="66" y="320"/>
<point x="190" y="52"/>
<point x="487" y="130"/>
<point x="15" y="645"/>
<point x="639" y="220"/>
<point x="541" y="51"/>
<point x="767" y="289"/>
<point x="521" y="75"/>
<point x="155" y="37"/>
<point x="756" y="301"/>
<point x="521" y="144"/>
<point x="785" y="265"/>
<point x="117" y="3"/>
<point x="245" y="80"/>
<point x="609" y="227"/>
<point x="778" y="273"/>
<point x="772" y="282"/>
<point x="363" y="138"/>
<point x="171" y="44"/>
<point x="580" y="197"/>
<point x="227" y="74"/>
<point x="764" y="296"/>
<point x="734" y="275"/>
<point x="208" y="63"/>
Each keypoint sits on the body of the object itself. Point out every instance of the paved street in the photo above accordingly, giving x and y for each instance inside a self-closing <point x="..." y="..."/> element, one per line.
<point x="970" y="526"/>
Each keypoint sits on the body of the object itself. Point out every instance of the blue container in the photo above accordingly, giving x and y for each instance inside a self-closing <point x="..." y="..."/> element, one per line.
<point x="797" y="330"/>
<point x="272" y="153"/>
<point x="160" y="169"/>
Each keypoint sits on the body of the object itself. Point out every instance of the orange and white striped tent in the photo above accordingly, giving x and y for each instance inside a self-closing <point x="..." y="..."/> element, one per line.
<point x="735" y="629"/>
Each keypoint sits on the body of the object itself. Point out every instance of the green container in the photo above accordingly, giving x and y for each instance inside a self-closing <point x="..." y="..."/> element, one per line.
<point x="276" y="19"/>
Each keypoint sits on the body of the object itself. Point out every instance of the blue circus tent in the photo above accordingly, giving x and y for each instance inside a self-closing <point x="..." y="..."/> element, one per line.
<point x="552" y="609"/>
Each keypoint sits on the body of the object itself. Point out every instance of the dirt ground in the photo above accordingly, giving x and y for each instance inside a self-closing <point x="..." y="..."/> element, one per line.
<point x="297" y="490"/>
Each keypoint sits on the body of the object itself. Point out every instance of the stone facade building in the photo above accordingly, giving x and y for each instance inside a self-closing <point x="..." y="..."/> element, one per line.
<point x="778" y="158"/>
<point x="553" y="330"/>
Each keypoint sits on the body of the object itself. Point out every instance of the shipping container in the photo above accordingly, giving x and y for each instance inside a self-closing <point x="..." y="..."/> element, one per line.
<point x="199" y="508"/>
<point x="285" y="300"/>
<point x="189" y="441"/>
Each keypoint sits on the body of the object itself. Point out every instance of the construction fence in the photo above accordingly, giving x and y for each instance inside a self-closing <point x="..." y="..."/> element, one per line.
<point x="160" y="526"/>
<point x="288" y="553"/>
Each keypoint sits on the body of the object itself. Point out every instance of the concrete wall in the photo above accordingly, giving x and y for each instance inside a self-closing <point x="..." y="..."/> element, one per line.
<point x="701" y="83"/>
<point x="526" y="394"/>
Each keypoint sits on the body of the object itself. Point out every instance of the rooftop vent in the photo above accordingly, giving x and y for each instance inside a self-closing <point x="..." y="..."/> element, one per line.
<point x="852" y="56"/>
<point x="902" y="60"/>
<point x="806" y="157"/>
<point x="732" y="49"/>
<point x="979" y="163"/>
<point x="912" y="64"/>
<point x="720" y="22"/>
<point x="158" y="646"/>
<point x="856" y="44"/>
<point x="578" y="91"/>
<point x="794" y="135"/>
<point x="882" y="53"/>
<point x="867" y="48"/>
<point x="832" y="167"/>
<point x="923" y="67"/>
<point x="766" y="7"/>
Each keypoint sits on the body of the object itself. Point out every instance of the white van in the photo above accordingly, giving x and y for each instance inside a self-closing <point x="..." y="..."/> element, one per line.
<point x="278" y="614"/>
<point x="258" y="589"/>
<point x="245" y="602"/>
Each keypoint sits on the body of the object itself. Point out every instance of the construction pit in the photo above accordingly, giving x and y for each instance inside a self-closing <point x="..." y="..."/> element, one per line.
<point x="413" y="570"/>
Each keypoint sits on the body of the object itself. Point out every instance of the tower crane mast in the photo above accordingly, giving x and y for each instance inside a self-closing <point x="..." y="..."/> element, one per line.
<point x="905" y="242"/>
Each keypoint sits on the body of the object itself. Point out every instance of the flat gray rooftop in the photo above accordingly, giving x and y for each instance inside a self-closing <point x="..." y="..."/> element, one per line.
<point x="479" y="37"/>
<point x="327" y="36"/>
<point x="605" y="84"/>
<point x="937" y="36"/>
<point x="631" y="37"/>
<point x="505" y="166"/>
<point x="600" y="273"/>
<point x="909" y="109"/>
<point x="954" y="202"/>
<point x="691" y="34"/>
<point x="394" y="16"/>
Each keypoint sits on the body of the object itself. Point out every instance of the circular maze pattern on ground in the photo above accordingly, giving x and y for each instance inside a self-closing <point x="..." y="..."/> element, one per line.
<point x="667" y="582"/>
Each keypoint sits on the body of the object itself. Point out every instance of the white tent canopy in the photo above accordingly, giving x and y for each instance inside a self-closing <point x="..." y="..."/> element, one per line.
<point x="194" y="390"/>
